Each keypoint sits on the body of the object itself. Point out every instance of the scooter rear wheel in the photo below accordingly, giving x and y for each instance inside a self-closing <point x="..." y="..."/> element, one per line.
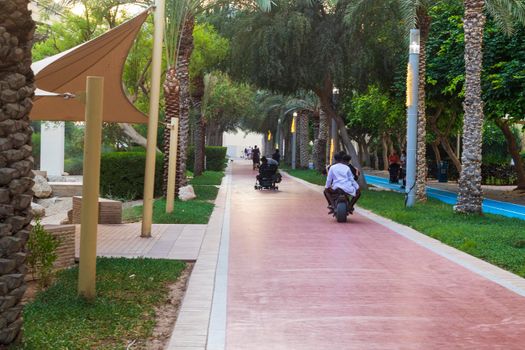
<point x="341" y="211"/>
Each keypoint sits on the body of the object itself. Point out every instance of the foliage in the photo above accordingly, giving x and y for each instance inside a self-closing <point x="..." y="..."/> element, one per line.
<point x="190" y="212"/>
<point x="209" y="49"/>
<point x="42" y="247"/>
<point x="122" y="175"/>
<point x="494" y="145"/>
<point x="74" y="166"/>
<point x="196" y="211"/>
<point x="498" y="174"/>
<point x="226" y="102"/>
<point x="35" y="148"/>
<point x="215" y="158"/>
<point x="373" y="112"/>
<point x="208" y="178"/>
<point x="128" y="290"/>
<point x="309" y="175"/>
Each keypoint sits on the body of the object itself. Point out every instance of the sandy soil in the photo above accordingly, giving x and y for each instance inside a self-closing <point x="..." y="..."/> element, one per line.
<point x="166" y="314"/>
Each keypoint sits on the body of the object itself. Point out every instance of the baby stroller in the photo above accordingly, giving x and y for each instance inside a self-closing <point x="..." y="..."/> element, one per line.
<point x="268" y="178"/>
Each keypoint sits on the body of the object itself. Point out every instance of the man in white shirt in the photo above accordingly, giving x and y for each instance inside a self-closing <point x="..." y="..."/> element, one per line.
<point x="340" y="177"/>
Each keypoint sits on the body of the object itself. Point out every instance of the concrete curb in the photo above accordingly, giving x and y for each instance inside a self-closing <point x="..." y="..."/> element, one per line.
<point x="192" y="329"/>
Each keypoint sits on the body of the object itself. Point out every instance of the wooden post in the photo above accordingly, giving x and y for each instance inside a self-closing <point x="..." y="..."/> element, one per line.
<point x="151" y="146"/>
<point x="87" y="271"/>
<point x="172" y="166"/>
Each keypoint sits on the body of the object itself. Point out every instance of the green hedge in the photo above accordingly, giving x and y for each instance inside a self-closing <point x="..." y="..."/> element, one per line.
<point x="73" y="166"/>
<point x="215" y="158"/>
<point x="122" y="175"/>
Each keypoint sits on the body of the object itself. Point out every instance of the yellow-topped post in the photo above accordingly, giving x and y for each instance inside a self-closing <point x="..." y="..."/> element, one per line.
<point x="87" y="271"/>
<point x="172" y="166"/>
<point x="294" y="138"/>
<point x="151" y="146"/>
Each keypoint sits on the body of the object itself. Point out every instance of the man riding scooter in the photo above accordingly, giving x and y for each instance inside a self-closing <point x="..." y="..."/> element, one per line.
<point x="340" y="177"/>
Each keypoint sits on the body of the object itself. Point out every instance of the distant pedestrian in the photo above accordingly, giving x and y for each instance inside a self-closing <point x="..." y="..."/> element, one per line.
<point x="276" y="156"/>
<point x="256" y="157"/>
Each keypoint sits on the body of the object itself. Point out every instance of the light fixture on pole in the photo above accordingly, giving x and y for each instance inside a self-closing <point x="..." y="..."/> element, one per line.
<point x="412" y="102"/>
<point x="334" y="141"/>
<point x="294" y="138"/>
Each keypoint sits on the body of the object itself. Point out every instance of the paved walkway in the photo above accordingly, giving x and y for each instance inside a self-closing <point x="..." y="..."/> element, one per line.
<point x="287" y="276"/>
<point x="299" y="280"/>
<point x="179" y="242"/>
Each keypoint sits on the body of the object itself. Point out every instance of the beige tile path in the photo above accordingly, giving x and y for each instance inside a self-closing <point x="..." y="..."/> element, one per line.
<point x="180" y="242"/>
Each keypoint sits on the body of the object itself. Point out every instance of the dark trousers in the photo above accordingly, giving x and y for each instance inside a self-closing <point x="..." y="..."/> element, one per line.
<point x="331" y="195"/>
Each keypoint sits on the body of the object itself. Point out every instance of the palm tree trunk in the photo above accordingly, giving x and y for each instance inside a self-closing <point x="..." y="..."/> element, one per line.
<point x="303" y="140"/>
<point x="470" y="193"/>
<point x="320" y="142"/>
<point x="423" y="22"/>
<point x="386" y="153"/>
<point x="16" y="84"/>
<point x="197" y="95"/>
<point x="435" y="148"/>
<point x="172" y="110"/>
<point x="183" y="61"/>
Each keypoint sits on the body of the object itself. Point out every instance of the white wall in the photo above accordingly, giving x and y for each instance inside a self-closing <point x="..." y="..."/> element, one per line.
<point x="52" y="148"/>
<point x="237" y="142"/>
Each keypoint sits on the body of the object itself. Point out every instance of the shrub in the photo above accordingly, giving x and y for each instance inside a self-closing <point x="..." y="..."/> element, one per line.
<point x="74" y="166"/>
<point x="215" y="158"/>
<point x="42" y="255"/>
<point x="498" y="174"/>
<point x="122" y="175"/>
<point x="35" y="142"/>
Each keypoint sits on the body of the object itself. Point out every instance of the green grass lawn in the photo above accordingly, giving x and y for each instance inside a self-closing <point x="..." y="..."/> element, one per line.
<point x="196" y="211"/>
<point x="496" y="239"/>
<point x="127" y="292"/>
<point x="208" y="178"/>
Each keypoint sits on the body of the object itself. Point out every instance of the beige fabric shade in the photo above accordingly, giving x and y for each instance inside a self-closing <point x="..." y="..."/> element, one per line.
<point x="66" y="72"/>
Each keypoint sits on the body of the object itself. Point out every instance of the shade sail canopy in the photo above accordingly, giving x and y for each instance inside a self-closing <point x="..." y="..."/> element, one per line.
<point x="66" y="72"/>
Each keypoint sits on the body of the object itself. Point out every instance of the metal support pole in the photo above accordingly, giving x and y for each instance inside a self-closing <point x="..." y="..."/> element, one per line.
<point x="172" y="166"/>
<point x="294" y="139"/>
<point x="87" y="271"/>
<point x="412" y="101"/>
<point x="335" y="138"/>
<point x="151" y="146"/>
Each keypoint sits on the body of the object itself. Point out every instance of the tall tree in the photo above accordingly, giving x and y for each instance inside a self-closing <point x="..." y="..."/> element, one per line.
<point x="16" y="86"/>
<point x="180" y="21"/>
<point x="209" y="51"/>
<point x="505" y="12"/>
<point x="297" y="46"/>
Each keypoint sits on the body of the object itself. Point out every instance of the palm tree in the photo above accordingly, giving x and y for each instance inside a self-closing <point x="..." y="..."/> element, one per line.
<point x="304" y="138"/>
<point x="179" y="45"/>
<point x="180" y="20"/>
<point x="505" y="13"/>
<point x="16" y="85"/>
<point x="415" y="13"/>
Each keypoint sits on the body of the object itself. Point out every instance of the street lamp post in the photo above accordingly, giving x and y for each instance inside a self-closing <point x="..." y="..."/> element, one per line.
<point x="412" y="101"/>
<point x="334" y="140"/>
<point x="294" y="138"/>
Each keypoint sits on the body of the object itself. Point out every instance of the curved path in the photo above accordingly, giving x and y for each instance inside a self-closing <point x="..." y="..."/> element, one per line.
<point x="298" y="280"/>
